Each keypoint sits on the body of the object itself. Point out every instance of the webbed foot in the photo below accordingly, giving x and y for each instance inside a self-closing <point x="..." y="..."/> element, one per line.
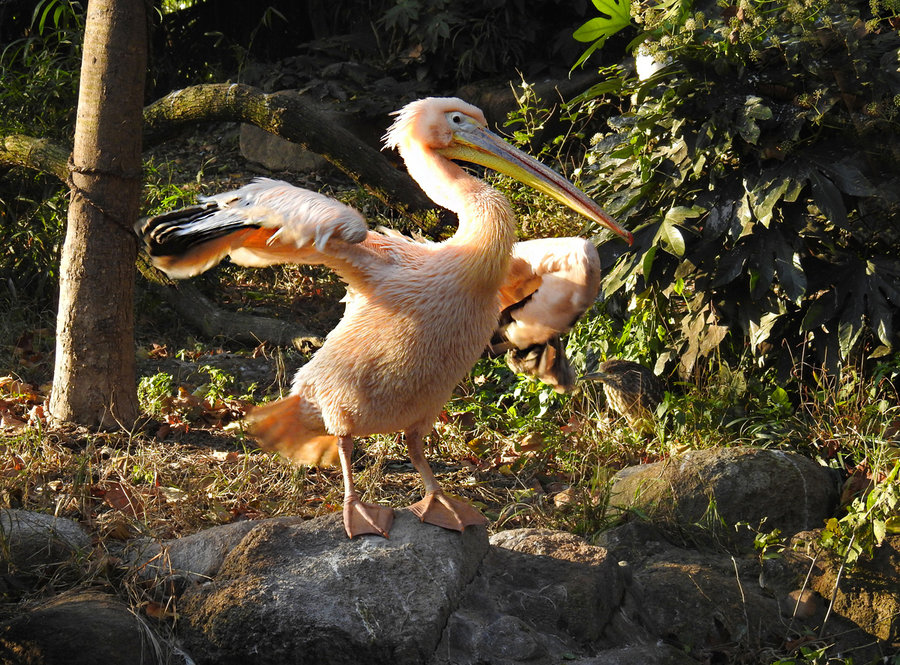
<point x="439" y="509"/>
<point x="360" y="518"/>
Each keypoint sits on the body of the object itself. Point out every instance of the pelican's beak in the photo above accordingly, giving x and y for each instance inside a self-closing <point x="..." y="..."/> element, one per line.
<point x="476" y="144"/>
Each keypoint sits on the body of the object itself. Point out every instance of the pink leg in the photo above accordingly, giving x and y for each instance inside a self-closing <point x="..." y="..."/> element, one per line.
<point x="437" y="508"/>
<point x="360" y="517"/>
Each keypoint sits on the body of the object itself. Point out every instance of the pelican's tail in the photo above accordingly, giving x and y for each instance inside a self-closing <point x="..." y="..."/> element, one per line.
<point x="262" y="223"/>
<point x="280" y="426"/>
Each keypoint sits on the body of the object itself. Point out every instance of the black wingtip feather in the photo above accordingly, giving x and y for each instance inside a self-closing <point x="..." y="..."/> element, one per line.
<point x="176" y="232"/>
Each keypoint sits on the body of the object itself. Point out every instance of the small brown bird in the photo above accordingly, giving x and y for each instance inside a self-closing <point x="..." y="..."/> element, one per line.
<point x="632" y="390"/>
<point x="417" y="315"/>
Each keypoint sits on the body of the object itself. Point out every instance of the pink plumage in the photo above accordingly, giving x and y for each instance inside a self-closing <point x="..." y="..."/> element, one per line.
<point x="418" y="315"/>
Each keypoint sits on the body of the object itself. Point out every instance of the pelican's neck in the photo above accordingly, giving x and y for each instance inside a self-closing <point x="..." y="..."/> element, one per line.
<point x="486" y="221"/>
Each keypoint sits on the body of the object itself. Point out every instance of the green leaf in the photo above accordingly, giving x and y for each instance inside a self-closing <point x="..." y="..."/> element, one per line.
<point x="753" y="110"/>
<point x="760" y="331"/>
<point x="827" y="198"/>
<point x="849" y="178"/>
<point x="647" y="263"/>
<point x="672" y="238"/>
<point x="614" y="16"/>
<point x="790" y="273"/>
<point x="763" y="201"/>
<point x="892" y="524"/>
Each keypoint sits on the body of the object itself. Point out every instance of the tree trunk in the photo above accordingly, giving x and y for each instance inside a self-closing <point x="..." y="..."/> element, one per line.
<point x="94" y="376"/>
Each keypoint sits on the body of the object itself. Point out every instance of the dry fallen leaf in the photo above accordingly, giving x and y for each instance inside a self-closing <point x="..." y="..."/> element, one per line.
<point x="122" y="498"/>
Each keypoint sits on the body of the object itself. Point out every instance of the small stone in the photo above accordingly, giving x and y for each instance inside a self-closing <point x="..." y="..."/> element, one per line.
<point x="801" y="604"/>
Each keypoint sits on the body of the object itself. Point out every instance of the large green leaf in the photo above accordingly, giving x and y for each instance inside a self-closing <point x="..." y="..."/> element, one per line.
<point x="614" y="16"/>
<point x="790" y="272"/>
<point x="828" y="198"/>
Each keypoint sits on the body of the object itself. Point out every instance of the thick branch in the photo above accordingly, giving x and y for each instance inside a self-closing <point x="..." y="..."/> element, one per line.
<point x="47" y="157"/>
<point x="37" y="154"/>
<point x="288" y="115"/>
<point x="194" y="307"/>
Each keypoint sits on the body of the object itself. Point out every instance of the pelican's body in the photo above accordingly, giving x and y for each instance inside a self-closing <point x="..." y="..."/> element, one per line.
<point x="418" y="315"/>
<point x="395" y="357"/>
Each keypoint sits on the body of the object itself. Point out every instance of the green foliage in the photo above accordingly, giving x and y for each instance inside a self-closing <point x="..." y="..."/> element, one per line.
<point x="615" y="15"/>
<point x="38" y="97"/>
<point x="40" y="72"/>
<point x="759" y="172"/>
<point x="153" y="392"/>
<point x="869" y="519"/>
<point x="217" y="387"/>
<point x="32" y="216"/>
<point x="452" y="42"/>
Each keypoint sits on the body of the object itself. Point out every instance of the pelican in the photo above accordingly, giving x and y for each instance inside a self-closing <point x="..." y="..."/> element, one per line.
<point x="418" y="315"/>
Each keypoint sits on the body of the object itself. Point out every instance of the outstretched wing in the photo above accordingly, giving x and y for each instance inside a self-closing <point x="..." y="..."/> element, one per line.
<point x="551" y="282"/>
<point x="264" y="222"/>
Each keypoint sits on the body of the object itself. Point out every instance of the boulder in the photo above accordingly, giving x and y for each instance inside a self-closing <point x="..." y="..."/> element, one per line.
<point x="276" y="153"/>
<point x="33" y="542"/>
<point x="867" y="593"/>
<point x="81" y="628"/>
<point x="302" y="592"/>
<point x="703" y="494"/>
<point x="175" y="564"/>
<point x="539" y="595"/>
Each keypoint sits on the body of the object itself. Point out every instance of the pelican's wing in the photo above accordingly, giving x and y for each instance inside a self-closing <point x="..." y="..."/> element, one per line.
<point x="551" y="283"/>
<point x="262" y="223"/>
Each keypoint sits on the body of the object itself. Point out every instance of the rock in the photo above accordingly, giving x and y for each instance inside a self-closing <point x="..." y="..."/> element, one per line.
<point x="35" y="541"/>
<point x="644" y="654"/>
<point x="175" y="564"/>
<point x="800" y="603"/>
<point x="707" y="604"/>
<point x="276" y="153"/>
<point x="303" y="592"/>
<point x="538" y="594"/>
<point x="703" y="494"/>
<point x="81" y="628"/>
<point x="867" y="593"/>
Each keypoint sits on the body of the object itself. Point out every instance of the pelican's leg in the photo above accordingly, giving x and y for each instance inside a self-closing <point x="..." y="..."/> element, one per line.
<point x="360" y="517"/>
<point x="438" y="508"/>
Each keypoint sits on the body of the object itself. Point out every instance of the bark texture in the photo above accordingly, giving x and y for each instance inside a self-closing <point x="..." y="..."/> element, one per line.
<point x="94" y="376"/>
<point x="38" y="154"/>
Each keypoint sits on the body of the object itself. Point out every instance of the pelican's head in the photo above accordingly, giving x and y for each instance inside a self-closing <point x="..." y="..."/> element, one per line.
<point x="458" y="130"/>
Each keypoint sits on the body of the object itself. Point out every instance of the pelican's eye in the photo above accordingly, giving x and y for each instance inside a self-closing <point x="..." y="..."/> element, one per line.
<point x="456" y="118"/>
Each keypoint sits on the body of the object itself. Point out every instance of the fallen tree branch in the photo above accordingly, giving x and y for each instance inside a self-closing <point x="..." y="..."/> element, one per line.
<point x="47" y="157"/>
<point x="288" y="115"/>
<point x="36" y="154"/>
<point x="212" y="321"/>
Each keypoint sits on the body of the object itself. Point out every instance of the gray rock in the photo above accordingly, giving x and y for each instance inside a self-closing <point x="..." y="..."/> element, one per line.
<point x="33" y="541"/>
<point x="305" y="593"/>
<point x="707" y="604"/>
<point x="276" y="153"/>
<point x="703" y="494"/>
<point x="196" y="558"/>
<point x="644" y="654"/>
<point x="81" y="628"/>
<point x="538" y="596"/>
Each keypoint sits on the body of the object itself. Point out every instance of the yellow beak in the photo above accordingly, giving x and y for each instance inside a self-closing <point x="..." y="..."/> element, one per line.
<point x="476" y="144"/>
